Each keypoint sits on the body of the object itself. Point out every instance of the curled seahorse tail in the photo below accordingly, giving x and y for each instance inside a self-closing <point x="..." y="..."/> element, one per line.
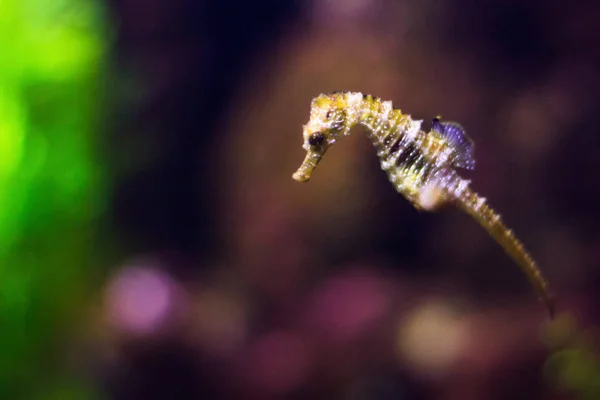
<point x="476" y="206"/>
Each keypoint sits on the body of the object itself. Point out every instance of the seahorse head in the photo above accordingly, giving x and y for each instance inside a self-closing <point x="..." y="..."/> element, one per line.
<point x="330" y="120"/>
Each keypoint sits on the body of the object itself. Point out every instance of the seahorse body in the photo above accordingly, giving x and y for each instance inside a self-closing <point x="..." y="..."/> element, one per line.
<point x="421" y="165"/>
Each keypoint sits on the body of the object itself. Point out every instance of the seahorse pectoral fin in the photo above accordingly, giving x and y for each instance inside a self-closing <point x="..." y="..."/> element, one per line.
<point x="461" y="143"/>
<point x="310" y="162"/>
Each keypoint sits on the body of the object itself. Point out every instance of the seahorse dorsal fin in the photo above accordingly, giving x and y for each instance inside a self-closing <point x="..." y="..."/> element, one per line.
<point x="462" y="144"/>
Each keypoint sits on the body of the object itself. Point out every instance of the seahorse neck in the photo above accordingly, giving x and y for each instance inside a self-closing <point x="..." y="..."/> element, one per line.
<point x="358" y="106"/>
<point x="368" y="114"/>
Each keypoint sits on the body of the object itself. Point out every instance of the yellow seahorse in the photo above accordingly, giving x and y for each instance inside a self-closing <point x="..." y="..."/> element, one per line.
<point x="421" y="165"/>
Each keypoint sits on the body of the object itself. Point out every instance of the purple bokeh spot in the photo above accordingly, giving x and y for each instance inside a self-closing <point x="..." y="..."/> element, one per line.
<point x="278" y="362"/>
<point x="140" y="298"/>
<point x="345" y="307"/>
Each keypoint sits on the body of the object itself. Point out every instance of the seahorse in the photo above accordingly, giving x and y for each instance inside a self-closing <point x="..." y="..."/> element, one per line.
<point x="422" y="166"/>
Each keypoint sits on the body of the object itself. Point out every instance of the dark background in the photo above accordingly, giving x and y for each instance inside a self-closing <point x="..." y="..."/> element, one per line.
<point x="339" y="288"/>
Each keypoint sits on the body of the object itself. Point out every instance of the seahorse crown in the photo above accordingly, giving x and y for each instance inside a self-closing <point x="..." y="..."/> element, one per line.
<point x="421" y="165"/>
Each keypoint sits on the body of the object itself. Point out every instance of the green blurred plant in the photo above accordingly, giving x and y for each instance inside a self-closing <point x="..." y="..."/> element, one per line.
<point x="51" y="184"/>
<point x="574" y="365"/>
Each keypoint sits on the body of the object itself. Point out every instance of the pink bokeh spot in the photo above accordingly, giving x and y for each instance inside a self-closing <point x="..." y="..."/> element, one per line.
<point x="277" y="363"/>
<point x="345" y="307"/>
<point x="140" y="299"/>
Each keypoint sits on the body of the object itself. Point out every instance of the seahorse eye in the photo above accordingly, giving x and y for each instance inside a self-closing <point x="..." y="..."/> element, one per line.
<point x="316" y="139"/>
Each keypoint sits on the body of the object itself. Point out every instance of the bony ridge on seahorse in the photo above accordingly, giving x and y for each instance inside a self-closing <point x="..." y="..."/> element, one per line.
<point x="421" y="165"/>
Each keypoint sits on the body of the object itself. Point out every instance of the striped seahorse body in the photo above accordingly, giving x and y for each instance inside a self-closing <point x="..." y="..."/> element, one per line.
<point x="421" y="165"/>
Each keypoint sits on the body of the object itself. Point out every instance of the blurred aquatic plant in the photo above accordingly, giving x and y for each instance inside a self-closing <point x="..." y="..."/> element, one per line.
<point x="51" y="185"/>
<point x="574" y="365"/>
